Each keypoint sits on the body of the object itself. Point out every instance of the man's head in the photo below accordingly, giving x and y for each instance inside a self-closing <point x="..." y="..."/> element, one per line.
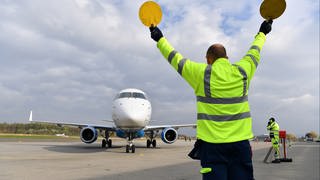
<point x="271" y="120"/>
<point x="215" y="52"/>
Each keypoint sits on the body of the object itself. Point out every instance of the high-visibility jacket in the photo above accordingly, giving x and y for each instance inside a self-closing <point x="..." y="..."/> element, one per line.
<point x="274" y="130"/>
<point x="223" y="112"/>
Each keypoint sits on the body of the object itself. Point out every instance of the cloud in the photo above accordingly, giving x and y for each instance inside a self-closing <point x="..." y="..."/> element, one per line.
<point x="67" y="60"/>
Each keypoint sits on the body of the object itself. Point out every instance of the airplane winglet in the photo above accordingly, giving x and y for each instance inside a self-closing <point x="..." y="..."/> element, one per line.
<point x="30" y="117"/>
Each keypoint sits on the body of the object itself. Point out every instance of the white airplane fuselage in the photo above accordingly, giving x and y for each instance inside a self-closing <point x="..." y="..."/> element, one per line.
<point x="131" y="110"/>
<point x="131" y="114"/>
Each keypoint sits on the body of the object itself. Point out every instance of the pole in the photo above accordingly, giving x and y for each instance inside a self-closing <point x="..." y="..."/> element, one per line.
<point x="283" y="136"/>
<point x="284" y="148"/>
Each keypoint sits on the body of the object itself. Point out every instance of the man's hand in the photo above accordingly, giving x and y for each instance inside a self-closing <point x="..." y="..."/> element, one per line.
<point x="266" y="27"/>
<point x="156" y="34"/>
<point x="269" y="123"/>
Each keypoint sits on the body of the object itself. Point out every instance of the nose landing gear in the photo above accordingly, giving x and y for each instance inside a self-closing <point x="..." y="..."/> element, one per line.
<point x="130" y="146"/>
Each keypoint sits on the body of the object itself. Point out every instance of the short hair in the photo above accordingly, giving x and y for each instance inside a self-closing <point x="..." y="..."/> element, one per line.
<point x="216" y="51"/>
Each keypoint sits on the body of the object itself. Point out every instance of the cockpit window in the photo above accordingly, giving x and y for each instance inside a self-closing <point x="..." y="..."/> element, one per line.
<point x="131" y="95"/>
<point x="138" y="95"/>
<point x="125" y="95"/>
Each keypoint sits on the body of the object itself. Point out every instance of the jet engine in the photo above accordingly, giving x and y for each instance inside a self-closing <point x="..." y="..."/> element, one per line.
<point x="169" y="135"/>
<point x="88" y="135"/>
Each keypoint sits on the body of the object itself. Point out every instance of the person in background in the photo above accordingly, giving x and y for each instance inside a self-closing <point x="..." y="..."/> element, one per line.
<point x="273" y="129"/>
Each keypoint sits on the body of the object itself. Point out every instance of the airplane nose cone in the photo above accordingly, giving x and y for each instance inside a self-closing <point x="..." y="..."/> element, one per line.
<point x="132" y="114"/>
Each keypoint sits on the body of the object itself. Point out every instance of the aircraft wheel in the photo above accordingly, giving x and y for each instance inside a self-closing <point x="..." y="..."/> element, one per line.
<point x="127" y="148"/>
<point x="154" y="143"/>
<point x="109" y="143"/>
<point x="104" y="143"/>
<point x="133" y="148"/>
<point x="148" y="143"/>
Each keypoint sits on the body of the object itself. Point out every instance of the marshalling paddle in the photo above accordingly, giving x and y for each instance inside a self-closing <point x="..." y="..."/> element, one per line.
<point x="272" y="9"/>
<point x="150" y="13"/>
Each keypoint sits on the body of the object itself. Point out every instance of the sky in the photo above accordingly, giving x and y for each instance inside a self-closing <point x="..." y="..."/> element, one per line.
<point x="66" y="60"/>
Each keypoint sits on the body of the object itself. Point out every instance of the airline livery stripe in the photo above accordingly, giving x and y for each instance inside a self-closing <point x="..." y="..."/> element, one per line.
<point x="212" y="100"/>
<point x="207" y="76"/>
<point x="223" y="118"/>
<point x="171" y="55"/>
<point x="253" y="59"/>
<point x="180" y="65"/>
<point x="255" y="47"/>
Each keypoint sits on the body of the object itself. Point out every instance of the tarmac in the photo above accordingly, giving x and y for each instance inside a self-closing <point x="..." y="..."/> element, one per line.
<point x="75" y="160"/>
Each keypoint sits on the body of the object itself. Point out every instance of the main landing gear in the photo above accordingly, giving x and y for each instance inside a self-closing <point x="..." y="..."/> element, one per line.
<point x="106" y="141"/>
<point x="151" y="140"/>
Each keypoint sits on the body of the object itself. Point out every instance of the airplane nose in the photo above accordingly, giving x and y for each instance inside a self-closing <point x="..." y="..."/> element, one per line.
<point x="133" y="112"/>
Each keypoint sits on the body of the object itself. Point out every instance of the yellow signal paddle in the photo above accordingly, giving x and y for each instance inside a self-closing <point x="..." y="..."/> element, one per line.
<point x="150" y="13"/>
<point x="272" y="9"/>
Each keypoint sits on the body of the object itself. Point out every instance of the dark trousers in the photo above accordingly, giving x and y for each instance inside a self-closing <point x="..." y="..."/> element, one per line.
<point x="228" y="161"/>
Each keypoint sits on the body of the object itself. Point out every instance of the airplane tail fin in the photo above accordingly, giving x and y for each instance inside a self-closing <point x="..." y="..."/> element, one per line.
<point x="30" y="117"/>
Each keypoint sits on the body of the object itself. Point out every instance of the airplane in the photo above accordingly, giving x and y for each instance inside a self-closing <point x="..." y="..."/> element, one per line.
<point x="131" y="114"/>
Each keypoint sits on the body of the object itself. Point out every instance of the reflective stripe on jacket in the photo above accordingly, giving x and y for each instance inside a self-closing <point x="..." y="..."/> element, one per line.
<point x="223" y="112"/>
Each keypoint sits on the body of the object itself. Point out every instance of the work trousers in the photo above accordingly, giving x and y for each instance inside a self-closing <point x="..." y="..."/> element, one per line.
<point x="276" y="146"/>
<point x="226" y="161"/>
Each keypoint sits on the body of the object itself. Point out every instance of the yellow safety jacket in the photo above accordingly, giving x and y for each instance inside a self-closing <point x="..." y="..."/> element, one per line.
<point x="274" y="130"/>
<point x="223" y="112"/>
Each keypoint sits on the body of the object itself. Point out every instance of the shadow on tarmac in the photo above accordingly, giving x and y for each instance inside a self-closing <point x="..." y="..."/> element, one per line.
<point x="90" y="148"/>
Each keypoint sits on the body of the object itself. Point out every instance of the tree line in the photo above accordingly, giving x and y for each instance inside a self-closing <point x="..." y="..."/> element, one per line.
<point x="38" y="128"/>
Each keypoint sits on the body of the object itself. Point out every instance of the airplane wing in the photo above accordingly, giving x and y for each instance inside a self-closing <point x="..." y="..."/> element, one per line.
<point x="160" y="127"/>
<point x="80" y="125"/>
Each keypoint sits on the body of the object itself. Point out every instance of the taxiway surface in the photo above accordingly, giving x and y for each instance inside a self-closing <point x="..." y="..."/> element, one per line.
<point x="75" y="160"/>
